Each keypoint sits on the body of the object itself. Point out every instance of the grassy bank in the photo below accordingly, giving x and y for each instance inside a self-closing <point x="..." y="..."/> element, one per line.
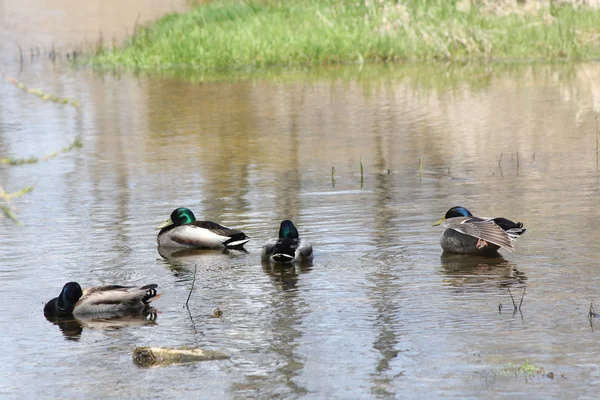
<point x="233" y="35"/>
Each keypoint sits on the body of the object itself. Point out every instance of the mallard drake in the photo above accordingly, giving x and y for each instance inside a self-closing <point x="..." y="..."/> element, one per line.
<point x="288" y="247"/>
<point x="182" y="230"/>
<point x="468" y="234"/>
<point x="113" y="299"/>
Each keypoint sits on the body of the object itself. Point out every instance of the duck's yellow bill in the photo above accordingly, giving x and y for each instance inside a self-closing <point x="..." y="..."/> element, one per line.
<point x="165" y="224"/>
<point x="439" y="221"/>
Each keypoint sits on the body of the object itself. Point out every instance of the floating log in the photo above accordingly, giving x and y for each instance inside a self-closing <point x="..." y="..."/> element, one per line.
<point x="158" y="356"/>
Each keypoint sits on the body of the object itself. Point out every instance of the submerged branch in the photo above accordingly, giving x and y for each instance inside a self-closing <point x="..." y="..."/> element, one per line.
<point x="76" y="144"/>
<point x="8" y="196"/>
<point x="191" y="288"/>
<point x="43" y="95"/>
<point x="8" y="213"/>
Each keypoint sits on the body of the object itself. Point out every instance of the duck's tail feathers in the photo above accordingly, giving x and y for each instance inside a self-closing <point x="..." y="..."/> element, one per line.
<point x="516" y="231"/>
<point x="237" y="240"/>
<point x="513" y="229"/>
<point x="151" y="293"/>
<point x="282" y="258"/>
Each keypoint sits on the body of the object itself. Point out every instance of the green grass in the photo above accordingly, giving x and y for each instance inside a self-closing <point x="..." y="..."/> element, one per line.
<point x="240" y="36"/>
<point x="43" y="95"/>
<point x="526" y="368"/>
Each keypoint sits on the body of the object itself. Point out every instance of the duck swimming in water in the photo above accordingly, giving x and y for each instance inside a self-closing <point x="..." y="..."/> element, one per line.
<point x="113" y="299"/>
<point x="182" y="230"/>
<point x="467" y="234"/>
<point x="289" y="247"/>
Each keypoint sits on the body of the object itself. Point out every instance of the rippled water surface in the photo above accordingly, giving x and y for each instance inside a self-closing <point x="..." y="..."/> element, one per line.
<point x="381" y="313"/>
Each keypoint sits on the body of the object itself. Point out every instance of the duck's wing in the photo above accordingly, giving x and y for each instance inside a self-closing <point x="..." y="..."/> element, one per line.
<point x="267" y="249"/>
<point x="205" y="234"/>
<point x="232" y="237"/>
<point x="305" y="249"/>
<point x="484" y="229"/>
<point x="115" y="298"/>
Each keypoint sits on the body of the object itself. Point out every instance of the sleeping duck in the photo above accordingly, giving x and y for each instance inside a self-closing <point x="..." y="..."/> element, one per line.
<point x="467" y="234"/>
<point x="108" y="300"/>
<point x="288" y="247"/>
<point x="182" y="230"/>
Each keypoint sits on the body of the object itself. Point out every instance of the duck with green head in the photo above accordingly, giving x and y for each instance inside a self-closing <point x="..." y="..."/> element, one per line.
<point x="183" y="230"/>
<point x="467" y="234"/>
<point x="289" y="247"/>
<point x="105" y="300"/>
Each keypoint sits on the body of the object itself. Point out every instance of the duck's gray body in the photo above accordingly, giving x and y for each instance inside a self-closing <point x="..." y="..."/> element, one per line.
<point x="456" y="242"/>
<point x="103" y="300"/>
<point x="467" y="234"/>
<point x="289" y="247"/>
<point x="115" y="300"/>
<point x="282" y="251"/>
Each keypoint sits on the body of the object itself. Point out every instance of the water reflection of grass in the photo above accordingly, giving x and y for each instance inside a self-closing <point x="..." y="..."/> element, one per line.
<point x="374" y="76"/>
<point x="231" y="35"/>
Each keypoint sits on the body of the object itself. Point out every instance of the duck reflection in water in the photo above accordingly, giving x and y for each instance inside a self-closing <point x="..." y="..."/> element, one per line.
<point x="182" y="261"/>
<point x="174" y="253"/>
<point x="286" y="276"/>
<point x="466" y="270"/>
<point x="72" y="327"/>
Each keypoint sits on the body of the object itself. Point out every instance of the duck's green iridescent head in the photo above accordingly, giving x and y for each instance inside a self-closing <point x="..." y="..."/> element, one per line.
<point x="457" y="212"/>
<point x="287" y="230"/>
<point x="69" y="296"/>
<point x="453" y="213"/>
<point x="180" y="216"/>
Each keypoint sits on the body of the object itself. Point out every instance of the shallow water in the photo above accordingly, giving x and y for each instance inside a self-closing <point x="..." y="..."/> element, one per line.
<point x="381" y="313"/>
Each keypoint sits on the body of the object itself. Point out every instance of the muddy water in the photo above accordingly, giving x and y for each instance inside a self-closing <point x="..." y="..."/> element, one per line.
<point x="381" y="313"/>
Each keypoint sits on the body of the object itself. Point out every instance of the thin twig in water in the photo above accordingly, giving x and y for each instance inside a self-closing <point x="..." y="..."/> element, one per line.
<point x="522" y="297"/>
<point x="597" y="134"/>
<point x="136" y="24"/>
<point x="512" y="298"/>
<point x="592" y="312"/>
<point x="135" y="28"/>
<point x="500" y="165"/>
<point x="192" y="288"/>
<point x="592" y="315"/>
<point x="362" y="181"/>
<point x="333" y="176"/>
<point x="20" y="58"/>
